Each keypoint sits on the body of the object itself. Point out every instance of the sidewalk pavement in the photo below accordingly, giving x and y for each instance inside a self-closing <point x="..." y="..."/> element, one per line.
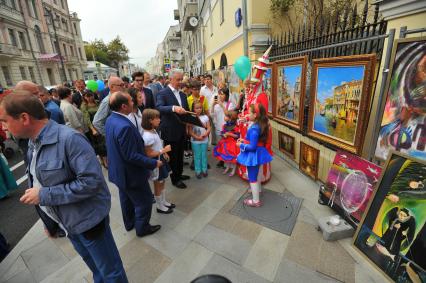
<point x="202" y="237"/>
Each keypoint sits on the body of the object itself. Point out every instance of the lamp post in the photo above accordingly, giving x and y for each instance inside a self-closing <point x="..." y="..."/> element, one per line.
<point x="49" y="14"/>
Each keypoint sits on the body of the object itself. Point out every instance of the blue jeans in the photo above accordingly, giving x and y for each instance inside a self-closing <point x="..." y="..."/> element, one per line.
<point x="100" y="254"/>
<point x="200" y="157"/>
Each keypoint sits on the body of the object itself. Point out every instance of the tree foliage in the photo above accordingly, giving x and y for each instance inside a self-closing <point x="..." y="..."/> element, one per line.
<point x="110" y="53"/>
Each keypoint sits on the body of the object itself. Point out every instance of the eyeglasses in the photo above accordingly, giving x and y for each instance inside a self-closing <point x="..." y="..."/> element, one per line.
<point x="120" y="85"/>
<point x="195" y="88"/>
<point x="139" y="80"/>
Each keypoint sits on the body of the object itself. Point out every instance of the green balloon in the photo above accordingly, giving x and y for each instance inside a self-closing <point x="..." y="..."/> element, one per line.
<point x="92" y="85"/>
<point x="242" y="67"/>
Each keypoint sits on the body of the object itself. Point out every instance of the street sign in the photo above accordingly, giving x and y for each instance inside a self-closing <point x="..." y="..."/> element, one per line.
<point x="166" y="61"/>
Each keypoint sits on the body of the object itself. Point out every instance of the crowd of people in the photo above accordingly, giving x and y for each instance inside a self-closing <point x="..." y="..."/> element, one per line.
<point x="135" y="131"/>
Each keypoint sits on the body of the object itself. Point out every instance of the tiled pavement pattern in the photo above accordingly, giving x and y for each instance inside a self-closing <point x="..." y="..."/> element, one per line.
<point x="202" y="237"/>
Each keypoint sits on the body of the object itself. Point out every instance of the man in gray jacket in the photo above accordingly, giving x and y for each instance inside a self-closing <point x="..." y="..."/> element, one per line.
<point x="66" y="181"/>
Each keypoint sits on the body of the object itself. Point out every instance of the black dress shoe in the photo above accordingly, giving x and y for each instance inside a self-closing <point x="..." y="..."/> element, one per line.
<point x="180" y="185"/>
<point x="150" y="230"/>
<point x="168" y="211"/>
<point x="184" y="177"/>
<point x="172" y="205"/>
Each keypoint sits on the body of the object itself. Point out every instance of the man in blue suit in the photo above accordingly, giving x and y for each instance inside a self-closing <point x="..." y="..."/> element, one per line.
<point x="171" y="102"/>
<point x="129" y="167"/>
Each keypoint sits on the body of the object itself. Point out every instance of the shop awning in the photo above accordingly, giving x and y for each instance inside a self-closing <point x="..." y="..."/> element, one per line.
<point x="50" y="57"/>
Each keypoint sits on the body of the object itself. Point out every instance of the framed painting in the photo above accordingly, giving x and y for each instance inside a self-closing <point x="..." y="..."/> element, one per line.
<point x="286" y="144"/>
<point x="350" y="184"/>
<point x="267" y="86"/>
<point x="340" y="98"/>
<point x="403" y="126"/>
<point x="289" y="91"/>
<point x="392" y="233"/>
<point x="309" y="158"/>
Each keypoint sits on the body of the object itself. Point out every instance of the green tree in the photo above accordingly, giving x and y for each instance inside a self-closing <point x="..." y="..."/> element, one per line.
<point x="117" y="51"/>
<point x="109" y="54"/>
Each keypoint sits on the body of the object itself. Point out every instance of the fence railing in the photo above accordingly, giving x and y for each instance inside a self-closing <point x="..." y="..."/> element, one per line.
<point x="347" y="34"/>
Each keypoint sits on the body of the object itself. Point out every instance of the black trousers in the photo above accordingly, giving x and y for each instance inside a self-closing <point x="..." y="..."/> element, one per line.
<point x="176" y="159"/>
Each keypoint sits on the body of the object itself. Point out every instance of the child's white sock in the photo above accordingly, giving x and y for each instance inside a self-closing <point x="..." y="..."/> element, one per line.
<point x="163" y="198"/>
<point x="160" y="204"/>
<point x="255" y="189"/>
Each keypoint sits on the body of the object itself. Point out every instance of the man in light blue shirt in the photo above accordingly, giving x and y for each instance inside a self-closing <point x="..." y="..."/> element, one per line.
<point x="115" y="84"/>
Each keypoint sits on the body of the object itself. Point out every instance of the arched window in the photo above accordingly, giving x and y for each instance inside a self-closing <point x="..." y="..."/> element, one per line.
<point x="39" y="39"/>
<point x="213" y="66"/>
<point x="223" y="61"/>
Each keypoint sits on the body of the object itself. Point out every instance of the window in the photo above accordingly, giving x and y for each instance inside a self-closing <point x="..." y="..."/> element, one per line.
<point x="39" y="39"/>
<point x="32" y="75"/>
<point x="23" y="74"/>
<point x="62" y="4"/>
<point x="64" y="24"/>
<point x="79" y="53"/>
<point x="65" y="49"/>
<point x="56" y="2"/>
<point x="75" y="28"/>
<point x="33" y="5"/>
<point x="22" y="40"/>
<point x="6" y="74"/>
<point x="72" y="51"/>
<point x="51" y="77"/>
<point x="12" y="37"/>
<point x="70" y="73"/>
<point x="222" y="12"/>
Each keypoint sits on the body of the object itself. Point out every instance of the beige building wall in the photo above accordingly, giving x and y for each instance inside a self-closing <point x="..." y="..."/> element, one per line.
<point x="21" y="60"/>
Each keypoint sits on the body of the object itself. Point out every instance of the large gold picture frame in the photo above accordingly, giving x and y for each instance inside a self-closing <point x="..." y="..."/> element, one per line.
<point x="339" y="100"/>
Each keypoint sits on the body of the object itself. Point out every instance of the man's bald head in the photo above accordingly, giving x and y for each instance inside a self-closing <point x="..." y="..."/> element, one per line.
<point x="115" y="84"/>
<point x="121" y="102"/>
<point x="27" y="86"/>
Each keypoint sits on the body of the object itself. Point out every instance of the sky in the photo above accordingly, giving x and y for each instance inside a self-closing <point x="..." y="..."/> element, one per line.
<point x="330" y="77"/>
<point x="141" y="24"/>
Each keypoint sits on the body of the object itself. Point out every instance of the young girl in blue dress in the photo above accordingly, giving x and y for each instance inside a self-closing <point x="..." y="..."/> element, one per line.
<point x="253" y="152"/>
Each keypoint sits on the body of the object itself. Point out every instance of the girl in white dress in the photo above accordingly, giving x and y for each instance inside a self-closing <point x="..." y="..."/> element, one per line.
<point x="154" y="149"/>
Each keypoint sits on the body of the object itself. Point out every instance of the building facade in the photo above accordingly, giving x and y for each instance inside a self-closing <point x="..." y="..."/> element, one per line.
<point x="223" y="32"/>
<point x="32" y="48"/>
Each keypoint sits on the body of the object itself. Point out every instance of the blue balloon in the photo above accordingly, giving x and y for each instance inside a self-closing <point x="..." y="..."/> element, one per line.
<point x="101" y="85"/>
<point x="242" y="67"/>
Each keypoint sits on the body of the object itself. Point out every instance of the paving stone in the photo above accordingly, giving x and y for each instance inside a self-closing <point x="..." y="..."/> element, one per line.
<point x="234" y="272"/>
<point x="336" y="262"/>
<point x="73" y="271"/>
<point x="66" y="247"/>
<point x="244" y="229"/>
<point x="195" y="221"/>
<point x="303" y="246"/>
<point x="142" y="262"/>
<point x="306" y="216"/>
<point x="266" y="254"/>
<point x="17" y="267"/>
<point x="22" y="277"/>
<point x="44" y="259"/>
<point x="168" y="241"/>
<point x="224" y="243"/>
<point x="122" y="237"/>
<point x="187" y="265"/>
<point x="169" y="220"/>
<point x="289" y="271"/>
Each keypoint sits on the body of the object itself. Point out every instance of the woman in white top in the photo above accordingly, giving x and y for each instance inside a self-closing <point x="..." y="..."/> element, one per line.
<point x="136" y="116"/>
<point x="154" y="149"/>
<point x="72" y="115"/>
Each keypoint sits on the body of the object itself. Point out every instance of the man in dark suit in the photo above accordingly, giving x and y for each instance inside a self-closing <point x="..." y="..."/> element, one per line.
<point x="77" y="97"/>
<point x="129" y="167"/>
<point x="171" y="102"/>
<point x="147" y="96"/>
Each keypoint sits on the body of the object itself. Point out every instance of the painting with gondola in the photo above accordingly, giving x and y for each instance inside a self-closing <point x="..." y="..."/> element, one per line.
<point x="392" y="234"/>
<point x="339" y="102"/>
